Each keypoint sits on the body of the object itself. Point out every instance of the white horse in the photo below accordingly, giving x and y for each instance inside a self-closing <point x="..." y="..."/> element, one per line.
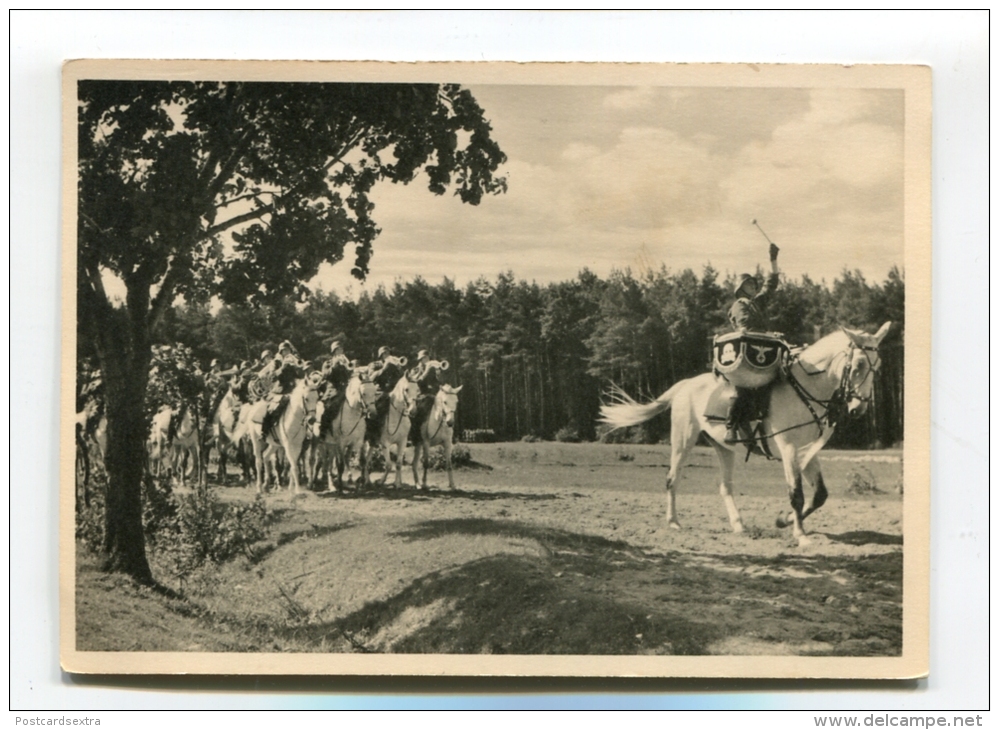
<point x="225" y="420"/>
<point x="838" y="369"/>
<point x="395" y="430"/>
<point x="347" y="431"/>
<point x="437" y="429"/>
<point x="288" y="433"/>
<point x="166" y="454"/>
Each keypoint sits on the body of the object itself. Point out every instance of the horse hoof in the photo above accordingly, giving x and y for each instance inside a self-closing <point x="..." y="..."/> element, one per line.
<point x="783" y="522"/>
<point x="737" y="527"/>
<point x="673" y="525"/>
<point x="803" y="541"/>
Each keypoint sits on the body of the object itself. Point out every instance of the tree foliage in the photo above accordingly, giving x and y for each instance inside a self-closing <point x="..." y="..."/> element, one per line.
<point x="534" y="360"/>
<point x="237" y="191"/>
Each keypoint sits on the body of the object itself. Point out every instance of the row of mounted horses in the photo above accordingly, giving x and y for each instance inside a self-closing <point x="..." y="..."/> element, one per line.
<point x="830" y="379"/>
<point x="296" y="443"/>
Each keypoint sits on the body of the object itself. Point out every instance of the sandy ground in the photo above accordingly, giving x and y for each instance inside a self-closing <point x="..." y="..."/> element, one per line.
<point x="554" y="549"/>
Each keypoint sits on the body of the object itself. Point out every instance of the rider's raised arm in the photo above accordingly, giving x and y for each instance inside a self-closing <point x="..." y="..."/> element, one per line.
<point x="773" y="280"/>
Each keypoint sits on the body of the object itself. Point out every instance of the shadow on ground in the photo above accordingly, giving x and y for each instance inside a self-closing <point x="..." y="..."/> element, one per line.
<point x="411" y="494"/>
<point x="582" y="594"/>
<point x="865" y="537"/>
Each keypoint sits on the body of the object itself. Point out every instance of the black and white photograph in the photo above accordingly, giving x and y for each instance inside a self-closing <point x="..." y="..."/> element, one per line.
<point x="495" y="369"/>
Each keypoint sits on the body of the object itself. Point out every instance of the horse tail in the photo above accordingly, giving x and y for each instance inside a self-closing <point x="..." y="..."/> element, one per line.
<point x="625" y="411"/>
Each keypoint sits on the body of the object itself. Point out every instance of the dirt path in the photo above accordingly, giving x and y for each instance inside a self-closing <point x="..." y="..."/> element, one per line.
<point x="573" y="567"/>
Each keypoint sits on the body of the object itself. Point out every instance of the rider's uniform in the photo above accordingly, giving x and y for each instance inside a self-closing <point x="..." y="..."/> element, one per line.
<point x="385" y="374"/>
<point x="746" y="314"/>
<point x="428" y="378"/>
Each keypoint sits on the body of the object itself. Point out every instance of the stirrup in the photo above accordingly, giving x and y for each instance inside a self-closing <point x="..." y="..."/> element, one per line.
<point x="732" y="435"/>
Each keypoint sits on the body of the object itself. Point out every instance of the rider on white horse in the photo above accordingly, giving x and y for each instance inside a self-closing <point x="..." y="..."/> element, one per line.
<point x="746" y="314"/>
<point x="336" y="374"/>
<point x="385" y="372"/>
<point x="286" y="370"/>
<point x="426" y="374"/>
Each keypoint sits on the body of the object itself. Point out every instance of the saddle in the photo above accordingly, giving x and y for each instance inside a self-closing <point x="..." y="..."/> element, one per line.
<point x="424" y="405"/>
<point x="331" y="409"/>
<point x="754" y="407"/>
<point x="272" y="415"/>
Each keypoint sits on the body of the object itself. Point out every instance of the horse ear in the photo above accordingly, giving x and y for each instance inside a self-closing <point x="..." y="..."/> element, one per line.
<point x="855" y="337"/>
<point x="880" y="335"/>
<point x="458" y="389"/>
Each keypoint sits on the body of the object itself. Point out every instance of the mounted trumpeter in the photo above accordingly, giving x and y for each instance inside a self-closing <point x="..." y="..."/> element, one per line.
<point x="427" y="374"/>
<point x="801" y="398"/>
<point x="749" y="357"/>
<point x="385" y="372"/>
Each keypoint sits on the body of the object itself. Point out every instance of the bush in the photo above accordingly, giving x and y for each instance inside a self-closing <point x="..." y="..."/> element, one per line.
<point x="90" y="519"/>
<point x="209" y="530"/>
<point x="183" y="533"/>
<point x="861" y="481"/>
<point x="460" y="456"/>
<point x="629" y="435"/>
<point x="567" y="434"/>
<point x="530" y="438"/>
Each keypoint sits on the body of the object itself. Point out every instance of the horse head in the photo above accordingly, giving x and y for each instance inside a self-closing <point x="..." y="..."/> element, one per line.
<point x="310" y="395"/>
<point x="369" y="393"/>
<point x="863" y="362"/>
<point x="406" y="395"/>
<point x="447" y="401"/>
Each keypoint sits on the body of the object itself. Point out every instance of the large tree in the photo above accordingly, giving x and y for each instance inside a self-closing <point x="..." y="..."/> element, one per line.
<point x="238" y="191"/>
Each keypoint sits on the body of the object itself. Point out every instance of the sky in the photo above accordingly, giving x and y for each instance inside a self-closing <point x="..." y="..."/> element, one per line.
<point x="643" y="177"/>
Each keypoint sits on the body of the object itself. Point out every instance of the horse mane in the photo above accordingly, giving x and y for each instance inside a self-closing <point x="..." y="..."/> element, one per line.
<point x="399" y="389"/>
<point x="353" y="391"/>
<point x="821" y="353"/>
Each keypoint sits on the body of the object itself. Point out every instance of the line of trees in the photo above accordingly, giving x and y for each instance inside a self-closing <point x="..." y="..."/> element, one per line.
<point x="534" y="360"/>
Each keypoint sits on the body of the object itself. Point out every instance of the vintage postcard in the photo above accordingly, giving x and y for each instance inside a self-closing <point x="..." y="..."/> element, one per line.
<point x="495" y="369"/>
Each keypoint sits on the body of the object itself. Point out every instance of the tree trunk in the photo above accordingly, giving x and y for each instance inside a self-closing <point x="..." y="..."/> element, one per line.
<point x="121" y="338"/>
<point x="124" y="541"/>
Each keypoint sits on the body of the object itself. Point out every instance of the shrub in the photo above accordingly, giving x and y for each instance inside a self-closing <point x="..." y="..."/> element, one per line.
<point x="460" y="456"/>
<point x="861" y="481"/>
<point x="530" y="438"/>
<point x="90" y="519"/>
<point x="567" y="434"/>
<point x="211" y="530"/>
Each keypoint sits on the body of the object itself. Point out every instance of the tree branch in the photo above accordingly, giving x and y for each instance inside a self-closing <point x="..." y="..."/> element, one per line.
<point x="164" y="296"/>
<point x="258" y="213"/>
<point x="230" y="201"/>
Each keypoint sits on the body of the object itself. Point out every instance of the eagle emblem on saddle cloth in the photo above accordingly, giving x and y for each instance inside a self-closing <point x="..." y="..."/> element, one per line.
<point x="760" y="354"/>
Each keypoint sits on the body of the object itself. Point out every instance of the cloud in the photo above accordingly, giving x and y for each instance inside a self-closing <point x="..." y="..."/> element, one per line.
<point x="823" y="175"/>
<point x="630" y="99"/>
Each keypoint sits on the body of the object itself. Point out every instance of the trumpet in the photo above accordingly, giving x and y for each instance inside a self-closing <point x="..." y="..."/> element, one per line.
<point x="400" y="361"/>
<point x="439" y="364"/>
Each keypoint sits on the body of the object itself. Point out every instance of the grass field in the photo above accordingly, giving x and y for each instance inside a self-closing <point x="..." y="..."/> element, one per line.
<point x="543" y="548"/>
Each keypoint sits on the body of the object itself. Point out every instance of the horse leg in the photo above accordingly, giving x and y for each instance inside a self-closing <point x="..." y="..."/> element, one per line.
<point x="726" y="458"/>
<point x="813" y="473"/>
<point x="447" y="460"/>
<point x="683" y="436"/>
<point x="416" y="462"/>
<point x="400" y="450"/>
<point x="796" y="494"/>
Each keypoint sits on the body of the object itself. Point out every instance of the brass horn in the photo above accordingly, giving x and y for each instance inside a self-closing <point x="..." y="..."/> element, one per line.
<point x="440" y="364"/>
<point x="400" y="361"/>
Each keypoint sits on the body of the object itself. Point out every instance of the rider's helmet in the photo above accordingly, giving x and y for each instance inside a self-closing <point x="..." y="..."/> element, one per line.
<point x="747" y="282"/>
<point x="383" y="351"/>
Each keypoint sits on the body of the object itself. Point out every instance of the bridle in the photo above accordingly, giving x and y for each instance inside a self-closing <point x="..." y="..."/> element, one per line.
<point x="836" y="406"/>
<point x="407" y="403"/>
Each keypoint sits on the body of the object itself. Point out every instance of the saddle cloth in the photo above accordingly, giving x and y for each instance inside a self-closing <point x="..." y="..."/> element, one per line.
<point x="723" y="397"/>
